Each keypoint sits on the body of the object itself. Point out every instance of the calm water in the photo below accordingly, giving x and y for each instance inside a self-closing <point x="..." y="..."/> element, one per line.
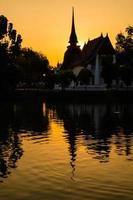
<point x="66" y="151"/>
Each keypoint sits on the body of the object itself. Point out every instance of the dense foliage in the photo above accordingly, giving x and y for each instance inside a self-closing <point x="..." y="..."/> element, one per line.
<point x="10" y="45"/>
<point x="124" y="42"/>
<point x="33" y="66"/>
<point x="124" y="48"/>
<point x="17" y="64"/>
<point x="84" y="76"/>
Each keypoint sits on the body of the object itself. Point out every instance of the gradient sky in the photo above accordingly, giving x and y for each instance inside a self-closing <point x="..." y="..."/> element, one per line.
<point x="45" y="24"/>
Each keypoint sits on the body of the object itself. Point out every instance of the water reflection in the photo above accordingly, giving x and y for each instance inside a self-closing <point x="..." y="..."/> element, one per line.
<point x="10" y="142"/>
<point x="15" y="119"/>
<point x="100" y="127"/>
<point x="30" y="117"/>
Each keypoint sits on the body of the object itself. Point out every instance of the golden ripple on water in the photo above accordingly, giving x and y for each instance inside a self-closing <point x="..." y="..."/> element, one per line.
<point x="68" y="160"/>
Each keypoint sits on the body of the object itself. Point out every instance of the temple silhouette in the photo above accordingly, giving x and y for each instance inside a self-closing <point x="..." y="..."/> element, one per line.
<point x="90" y="57"/>
<point x="73" y="52"/>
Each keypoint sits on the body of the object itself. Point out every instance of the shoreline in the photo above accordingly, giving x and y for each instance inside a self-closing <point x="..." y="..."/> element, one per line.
<point x="90" y="96"/>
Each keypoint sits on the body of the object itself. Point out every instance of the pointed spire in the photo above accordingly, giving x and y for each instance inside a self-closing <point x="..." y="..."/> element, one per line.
<point x="73" y="37"/>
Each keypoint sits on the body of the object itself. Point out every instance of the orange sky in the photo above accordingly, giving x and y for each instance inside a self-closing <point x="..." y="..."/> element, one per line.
<point x="45" y="24"/>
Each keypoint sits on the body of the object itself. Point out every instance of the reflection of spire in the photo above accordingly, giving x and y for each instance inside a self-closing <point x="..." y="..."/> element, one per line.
<point x="73" y="37"/>
<point x="72" y="149"/>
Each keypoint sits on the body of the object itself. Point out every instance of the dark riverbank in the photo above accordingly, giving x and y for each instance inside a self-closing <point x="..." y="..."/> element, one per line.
<point x="102" y="96"/>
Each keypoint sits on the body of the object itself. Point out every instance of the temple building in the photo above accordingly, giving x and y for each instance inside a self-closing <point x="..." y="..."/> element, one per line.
<point x="90" y="57"/>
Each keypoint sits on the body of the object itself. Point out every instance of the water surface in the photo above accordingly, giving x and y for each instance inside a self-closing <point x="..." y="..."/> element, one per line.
<point x="66" y="151"/>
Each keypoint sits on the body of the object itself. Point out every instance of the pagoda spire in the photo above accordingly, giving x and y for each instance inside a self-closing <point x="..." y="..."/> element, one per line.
<point x="73" y="37"/>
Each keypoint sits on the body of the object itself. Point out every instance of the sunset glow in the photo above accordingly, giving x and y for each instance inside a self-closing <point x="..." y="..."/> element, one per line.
<point x="45" y="24"/>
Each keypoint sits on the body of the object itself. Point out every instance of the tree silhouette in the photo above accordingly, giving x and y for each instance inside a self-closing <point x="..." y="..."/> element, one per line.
<point x="10" y="46"/>
<point x="124" y="47"/>
<point x="64" y="78"/>
<point x="32" y="65"/>
<point x="126" y="73"/>
<point x="124" y="43"/>
<point x="84" y="76"/>
<point x="108" y="71"/>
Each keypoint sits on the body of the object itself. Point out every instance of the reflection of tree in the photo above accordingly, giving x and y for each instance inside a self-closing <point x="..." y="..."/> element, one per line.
<point x="10" y="143"/>
<point x="10" y="152"/>
<point x="100" y="126"/>
<point x="30" y="116"/>
<point x="14" y="118"/>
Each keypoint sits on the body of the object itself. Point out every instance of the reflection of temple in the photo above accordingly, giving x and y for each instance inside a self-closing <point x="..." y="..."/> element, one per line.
<point x="90" y="57"/>
<point x="97" y="127"/>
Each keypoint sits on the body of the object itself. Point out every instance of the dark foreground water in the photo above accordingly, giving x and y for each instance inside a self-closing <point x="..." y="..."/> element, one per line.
<point x="66" y="151"/>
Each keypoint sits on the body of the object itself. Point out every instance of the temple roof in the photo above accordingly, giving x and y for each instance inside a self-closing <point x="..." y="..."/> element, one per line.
<point x="100" y="45"/>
